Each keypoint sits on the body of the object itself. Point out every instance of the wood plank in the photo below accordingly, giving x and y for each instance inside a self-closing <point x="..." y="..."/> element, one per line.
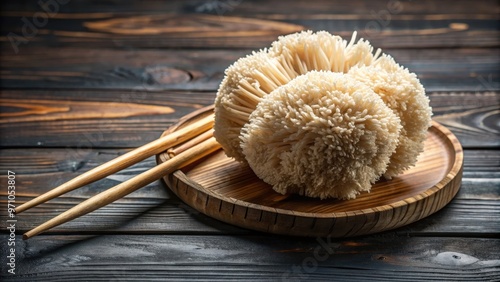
<point x="401" y="31"/>
<point x="236" y="24"/>
<point x="470" y="116"/>
<point x="51" y="118"/>
<point x="92" y="119"/>
<point x="154" y="209"/>
<point x="424" y="7"/>
<point x="143" y="70"/>
<point x="257" y="257"/>
<point x="465" y="217"/>
<point x="150" y="209"/>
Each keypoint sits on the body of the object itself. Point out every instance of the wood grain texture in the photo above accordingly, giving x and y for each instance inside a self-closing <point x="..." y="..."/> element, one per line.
<point x="124" y="161"/>
<point x="469" y="116"/>
<point x="145" y="117"/>
<point x="226" y="190"/>
<point x="94" y="53"/>
<point x="137" y="71"/>
<point x="154" y="209"/>
<point x="121" y="190"/>
<point x="473" y="213"/>
<point x="115" y="119"/>
<point x="255" y="7"/>
<point x="245" y="24"/>
<point x="273" y="258"/>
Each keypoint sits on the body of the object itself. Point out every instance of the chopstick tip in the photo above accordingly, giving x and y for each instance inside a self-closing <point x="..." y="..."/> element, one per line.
<point x="21" y="208"/>
<point x="31" y="233"/>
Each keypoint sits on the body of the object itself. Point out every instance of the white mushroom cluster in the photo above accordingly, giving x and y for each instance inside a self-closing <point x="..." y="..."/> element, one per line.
<point x="321" y="117"/>
<point x="402" y="92"/>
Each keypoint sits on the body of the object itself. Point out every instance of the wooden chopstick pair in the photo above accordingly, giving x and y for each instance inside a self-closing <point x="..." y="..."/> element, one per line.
<point x="198" y="142"/>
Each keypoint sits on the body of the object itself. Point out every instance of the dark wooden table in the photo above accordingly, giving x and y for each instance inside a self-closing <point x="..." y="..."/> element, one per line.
<point x="85" y="81"/>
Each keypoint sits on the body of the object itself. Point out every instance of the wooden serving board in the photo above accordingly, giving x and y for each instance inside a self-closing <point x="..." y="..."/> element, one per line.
<point x="229" y="191"/>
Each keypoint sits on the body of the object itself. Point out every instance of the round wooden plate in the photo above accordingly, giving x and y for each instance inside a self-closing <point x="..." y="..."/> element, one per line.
<point x="229" y="191"/>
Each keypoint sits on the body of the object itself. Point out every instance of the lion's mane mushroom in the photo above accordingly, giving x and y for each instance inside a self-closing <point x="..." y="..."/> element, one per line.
<point x="306" y="51"/>
<point x="402" y="92"/>
<point x="323" y="135"/>
<point x="252" y="77"/>
<point x="246" y="82"/>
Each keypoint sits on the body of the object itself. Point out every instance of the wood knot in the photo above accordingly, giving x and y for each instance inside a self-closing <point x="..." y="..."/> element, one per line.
<point x="166" y="75"/>
<point x="454" y="258"/>
<point x="459" y="26"/>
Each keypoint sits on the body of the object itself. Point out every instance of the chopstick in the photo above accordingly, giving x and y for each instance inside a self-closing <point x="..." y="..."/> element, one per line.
<point x="123" y="161"/>
<point x="182" y="159"/>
